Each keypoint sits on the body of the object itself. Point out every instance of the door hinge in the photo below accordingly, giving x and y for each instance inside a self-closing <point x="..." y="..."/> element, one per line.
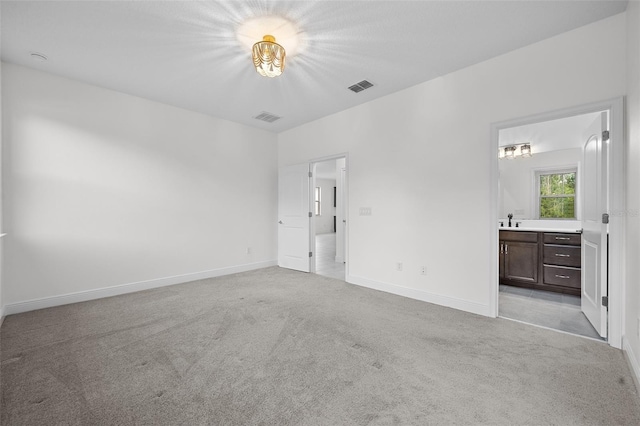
<point x="605" y="135"/>
<point x="309" y="214"/>
<point x="605" y="217"/>
<point x="310" y="174"/>
<point x="605" y="301"/>
<point x="310" y="254"/>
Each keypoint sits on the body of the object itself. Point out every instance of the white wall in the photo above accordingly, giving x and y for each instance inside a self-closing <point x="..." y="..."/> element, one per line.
<point x="420" y="158"/>
<point x="324" y="222"/>
<point x="104" y="189"/>
<point x="632" y="290"/>
<point x="517" y="180"/>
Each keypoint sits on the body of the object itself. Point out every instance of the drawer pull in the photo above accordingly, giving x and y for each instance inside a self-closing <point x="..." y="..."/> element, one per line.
<point x="563" y="238"/>
<point x="563" y="276"/>
<point x="563" y="255"/>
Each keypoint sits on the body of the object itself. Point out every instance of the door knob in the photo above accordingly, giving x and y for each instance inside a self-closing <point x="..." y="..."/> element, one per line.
<point x="280" y="222"/>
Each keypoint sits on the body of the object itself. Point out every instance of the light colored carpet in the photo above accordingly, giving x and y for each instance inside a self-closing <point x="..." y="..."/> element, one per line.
<point x="278" y="347"/>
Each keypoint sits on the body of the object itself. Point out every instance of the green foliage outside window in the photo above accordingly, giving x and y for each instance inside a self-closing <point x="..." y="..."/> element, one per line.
<point x="558" y="196"/>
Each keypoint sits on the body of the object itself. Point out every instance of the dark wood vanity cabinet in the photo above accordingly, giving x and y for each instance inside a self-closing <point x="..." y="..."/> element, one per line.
<point x="542" y="260"/>
<point x="518" y="256"/>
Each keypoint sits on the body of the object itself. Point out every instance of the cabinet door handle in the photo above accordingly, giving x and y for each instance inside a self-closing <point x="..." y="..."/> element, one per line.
<point x="563" y="255"/>
<point x="506" y="249"/>
<point x="563" y="276"/>
<point x="501" y="248"/>
<point x="563" y="238"/>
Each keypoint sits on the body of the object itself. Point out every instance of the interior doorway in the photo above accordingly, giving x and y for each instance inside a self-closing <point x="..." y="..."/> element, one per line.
<point x="541" y="199"/>
<point x="328" y="228"/>
<point x="308" y="205"/>
<point x="545" y="207"/>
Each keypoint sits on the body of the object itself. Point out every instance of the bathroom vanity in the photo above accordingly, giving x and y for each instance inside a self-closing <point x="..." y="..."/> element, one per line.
<point x="541" y="259"/>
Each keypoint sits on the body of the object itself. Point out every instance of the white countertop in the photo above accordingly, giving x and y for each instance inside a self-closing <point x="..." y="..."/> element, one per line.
<point x="531" y="229"/>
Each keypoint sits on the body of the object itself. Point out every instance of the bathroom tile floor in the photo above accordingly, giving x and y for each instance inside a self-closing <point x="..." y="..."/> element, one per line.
<point x="544" y="308"/>
<point x="326" y="257"/>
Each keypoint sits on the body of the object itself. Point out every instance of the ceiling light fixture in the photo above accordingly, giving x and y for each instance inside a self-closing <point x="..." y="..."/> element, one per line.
<point x="268" y="57"/>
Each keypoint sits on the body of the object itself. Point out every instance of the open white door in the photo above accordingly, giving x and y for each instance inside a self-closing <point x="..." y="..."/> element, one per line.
<point x="594" y="224"/>
<point x="294" y="217"/>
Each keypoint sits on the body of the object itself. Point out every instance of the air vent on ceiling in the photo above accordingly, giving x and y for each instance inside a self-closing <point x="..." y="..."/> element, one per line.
<point x="267" y="116"/>
<point x="359" y="87"/>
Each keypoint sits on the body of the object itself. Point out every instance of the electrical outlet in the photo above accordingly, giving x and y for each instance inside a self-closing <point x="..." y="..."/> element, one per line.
<point x="248" y="250"/>
<point x="398" y="266"/>
<point x="423" y="271"/>
<point x="365" y="211"/>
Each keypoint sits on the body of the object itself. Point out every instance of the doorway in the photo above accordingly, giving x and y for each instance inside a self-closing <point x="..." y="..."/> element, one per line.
<point x="312" y="217"/>
<point x="546" y="291"/>
<point x="541" y="200"/>
<point x="328" y="217"/>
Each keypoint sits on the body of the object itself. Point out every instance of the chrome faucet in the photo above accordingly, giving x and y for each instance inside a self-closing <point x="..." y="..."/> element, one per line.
<point x="510" y="216"/>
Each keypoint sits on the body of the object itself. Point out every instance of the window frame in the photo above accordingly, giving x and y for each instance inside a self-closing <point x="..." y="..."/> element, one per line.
<point x="536" y="198"/>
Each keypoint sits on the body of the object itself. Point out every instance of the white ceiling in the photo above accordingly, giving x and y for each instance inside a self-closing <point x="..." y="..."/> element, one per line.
<point x="186" y="53"/>
<point x="552" y="135"/>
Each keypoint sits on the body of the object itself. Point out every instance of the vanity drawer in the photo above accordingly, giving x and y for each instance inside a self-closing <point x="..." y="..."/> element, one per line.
<point x="561" y="255"/>
<point x="522" y="236"/>
<point x="569" y="239"/>
<point x="562" y="276"/>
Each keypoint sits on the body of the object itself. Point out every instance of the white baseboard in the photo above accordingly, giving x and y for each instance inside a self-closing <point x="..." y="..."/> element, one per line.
<point x="1" y="315"/>
<point x="633" y="362"/>
<point x="83" y="296"/>
<point x="437" y="299"/>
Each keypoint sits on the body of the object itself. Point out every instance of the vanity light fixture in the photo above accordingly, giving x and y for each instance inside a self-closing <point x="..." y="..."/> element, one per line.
<point x="268" y="57"/>
<point x="510" y="152"/>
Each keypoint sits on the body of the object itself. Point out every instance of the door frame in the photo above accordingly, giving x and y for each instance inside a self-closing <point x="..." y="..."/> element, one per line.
<point x="617" y="202"/>
<point x="345" y="199"/>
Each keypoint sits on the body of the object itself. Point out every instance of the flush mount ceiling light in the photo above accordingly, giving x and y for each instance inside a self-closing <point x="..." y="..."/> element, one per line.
<point x="269" y="56"/>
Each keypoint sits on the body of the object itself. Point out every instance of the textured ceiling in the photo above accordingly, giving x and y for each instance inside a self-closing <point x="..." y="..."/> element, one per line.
<point x="186" y="53"/>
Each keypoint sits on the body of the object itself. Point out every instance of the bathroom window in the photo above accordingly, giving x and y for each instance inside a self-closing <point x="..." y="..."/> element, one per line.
<point x="557" y="194"/>
<point x="318" y="199"/>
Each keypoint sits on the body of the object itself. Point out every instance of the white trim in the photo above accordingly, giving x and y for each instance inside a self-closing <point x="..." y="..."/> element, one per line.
<point x="83" y="296"/>
<point x="617" y="222"/>
<point x="633" y="362"/>
<point x="424" y="296"/>
<point x="1" y="315"/>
